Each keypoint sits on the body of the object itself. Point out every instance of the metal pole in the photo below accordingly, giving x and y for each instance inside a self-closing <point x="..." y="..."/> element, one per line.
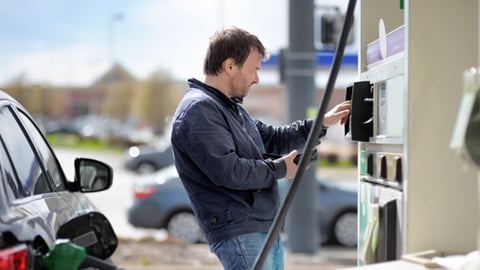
<point x="311" y="142"/>
<point x="117" y="17"/>
<point x="301" y="224"/>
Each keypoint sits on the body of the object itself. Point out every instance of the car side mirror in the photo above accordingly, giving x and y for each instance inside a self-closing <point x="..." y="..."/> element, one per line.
<point x="92" y="175"/>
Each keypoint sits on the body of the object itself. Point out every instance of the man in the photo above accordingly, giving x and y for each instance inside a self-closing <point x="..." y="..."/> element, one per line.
<point x="219" y="152"/>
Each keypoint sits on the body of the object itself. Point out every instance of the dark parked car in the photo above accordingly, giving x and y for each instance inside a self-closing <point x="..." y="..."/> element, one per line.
<point x="160" y="201"/>
<point x="38" y="204"/>
<point x="145" y="159"/>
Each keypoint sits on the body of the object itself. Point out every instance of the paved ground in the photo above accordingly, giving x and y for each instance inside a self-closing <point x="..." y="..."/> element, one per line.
<point x="171" y="254"/>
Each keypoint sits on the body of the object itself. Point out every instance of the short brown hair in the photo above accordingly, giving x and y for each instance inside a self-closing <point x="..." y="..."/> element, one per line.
<point x="231" y="42"/>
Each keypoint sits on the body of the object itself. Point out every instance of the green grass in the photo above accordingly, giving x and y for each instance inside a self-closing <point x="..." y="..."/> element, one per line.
<point x="74" y="141"/>
<point x="341" y="164"/>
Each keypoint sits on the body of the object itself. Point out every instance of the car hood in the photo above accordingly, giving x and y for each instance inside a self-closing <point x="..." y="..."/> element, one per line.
<point x="141" y="150"/>
<point x="147" y="149"/>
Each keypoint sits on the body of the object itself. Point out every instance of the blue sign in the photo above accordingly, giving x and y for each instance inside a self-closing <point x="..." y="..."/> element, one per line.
<point x="324" y="60"/>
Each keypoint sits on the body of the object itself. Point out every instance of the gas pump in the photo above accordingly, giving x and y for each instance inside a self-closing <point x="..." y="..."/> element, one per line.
<point x="409" y="199"/>
<point x="376" y="124"/>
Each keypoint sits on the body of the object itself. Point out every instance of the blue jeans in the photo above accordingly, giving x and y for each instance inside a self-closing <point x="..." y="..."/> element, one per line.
<point x="240" y="252"/>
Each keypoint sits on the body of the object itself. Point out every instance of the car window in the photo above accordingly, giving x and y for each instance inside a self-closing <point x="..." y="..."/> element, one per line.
<point x="24" y="160"/>
<point x="51" y="164"/>
<point x="9" y="186"/>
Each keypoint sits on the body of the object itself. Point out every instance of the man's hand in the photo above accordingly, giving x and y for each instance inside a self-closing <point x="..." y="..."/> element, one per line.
<point x="339" y="112"/>
<point x="291" y="166"/>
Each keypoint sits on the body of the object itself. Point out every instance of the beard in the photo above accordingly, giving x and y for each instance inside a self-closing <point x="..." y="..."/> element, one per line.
<point x="240" y="86"/>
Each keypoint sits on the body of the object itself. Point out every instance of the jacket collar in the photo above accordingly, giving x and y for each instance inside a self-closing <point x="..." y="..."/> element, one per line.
<point x="215" y="92"/>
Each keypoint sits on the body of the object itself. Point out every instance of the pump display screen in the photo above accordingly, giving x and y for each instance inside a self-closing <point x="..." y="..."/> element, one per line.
<point x="390" y="107"/>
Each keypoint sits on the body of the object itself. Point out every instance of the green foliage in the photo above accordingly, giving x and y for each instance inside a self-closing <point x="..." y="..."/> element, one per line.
<point x="345" y="164"/>
<point x="74" y="141"/>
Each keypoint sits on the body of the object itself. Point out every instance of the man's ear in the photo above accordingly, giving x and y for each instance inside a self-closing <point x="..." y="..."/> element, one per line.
<point x="228" y="64"/>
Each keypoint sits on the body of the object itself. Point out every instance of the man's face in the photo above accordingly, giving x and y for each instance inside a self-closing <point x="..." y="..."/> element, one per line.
<point x="247" y="75"/>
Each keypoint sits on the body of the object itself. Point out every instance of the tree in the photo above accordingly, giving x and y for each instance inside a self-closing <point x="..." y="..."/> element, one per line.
<point x="156" y="99"/>
<point x="18" y="88"/>
<point x="119" y="86"/>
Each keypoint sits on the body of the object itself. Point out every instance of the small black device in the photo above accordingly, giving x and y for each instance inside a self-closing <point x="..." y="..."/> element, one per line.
<point x="312" y="158"/>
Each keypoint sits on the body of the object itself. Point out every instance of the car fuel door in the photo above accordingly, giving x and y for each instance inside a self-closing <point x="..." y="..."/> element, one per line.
<point x="92" y="231"/>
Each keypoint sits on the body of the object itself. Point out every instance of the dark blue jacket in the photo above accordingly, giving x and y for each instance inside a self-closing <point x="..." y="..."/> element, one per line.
<point x="218" y="151"/>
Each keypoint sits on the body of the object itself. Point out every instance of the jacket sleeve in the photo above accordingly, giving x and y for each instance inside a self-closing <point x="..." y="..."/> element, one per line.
<point x="203" y="134"/>
<point x="283" y="139"/>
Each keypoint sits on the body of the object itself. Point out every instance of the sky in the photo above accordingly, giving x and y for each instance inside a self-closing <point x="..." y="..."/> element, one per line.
<point x="72" y="43"/>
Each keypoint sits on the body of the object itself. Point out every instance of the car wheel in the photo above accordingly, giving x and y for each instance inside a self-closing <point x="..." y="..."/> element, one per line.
<point x="146" y="168"/>
<point x="345" y="229"/>
<point x="184" y="226"/>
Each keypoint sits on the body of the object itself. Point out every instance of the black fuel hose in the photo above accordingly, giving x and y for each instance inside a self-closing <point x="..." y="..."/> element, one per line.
<point x="91" y="261"/>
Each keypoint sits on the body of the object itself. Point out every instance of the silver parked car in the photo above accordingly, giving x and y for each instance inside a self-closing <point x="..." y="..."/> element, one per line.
<point x="146" y="159"/>
<point x="160" y="201"/>
<point x="39" y="204"/>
